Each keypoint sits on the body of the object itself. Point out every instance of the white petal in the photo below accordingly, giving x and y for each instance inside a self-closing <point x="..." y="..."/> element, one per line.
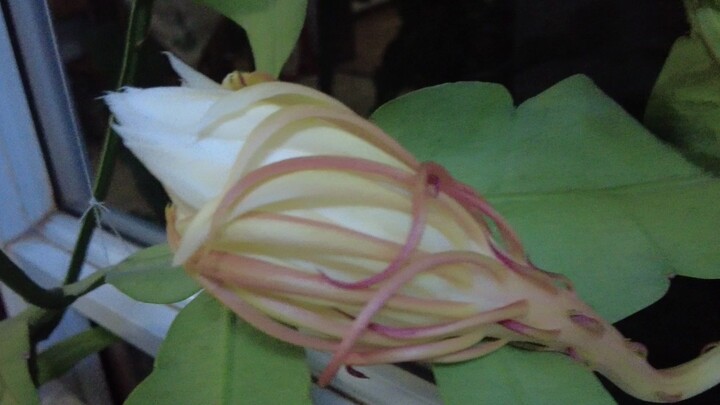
<point x="161" y="107"/>
<point x="191" y="77"/>
<point x="194" y="171"/>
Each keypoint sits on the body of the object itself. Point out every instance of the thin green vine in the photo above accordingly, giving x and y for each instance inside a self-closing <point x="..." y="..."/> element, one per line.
<point x="140" y="15"/>
<point x="47" y="305"/>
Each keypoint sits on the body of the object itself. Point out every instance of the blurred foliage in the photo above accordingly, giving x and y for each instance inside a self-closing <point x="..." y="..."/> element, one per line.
<point x="212" y="357"/>
<point x="684" y="107"/>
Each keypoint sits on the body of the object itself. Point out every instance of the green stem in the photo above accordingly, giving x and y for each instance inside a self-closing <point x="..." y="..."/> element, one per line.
<point x="78" y="289"/>
<point x="140" y="15"/>
<point x="42" y="321"/>
<point x="57" y="360"/>
<point x="27" y="288"/>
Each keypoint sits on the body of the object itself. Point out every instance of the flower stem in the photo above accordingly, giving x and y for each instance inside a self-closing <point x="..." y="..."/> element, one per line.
<point x="634" y="375"/>
<point x="140" y="15"/>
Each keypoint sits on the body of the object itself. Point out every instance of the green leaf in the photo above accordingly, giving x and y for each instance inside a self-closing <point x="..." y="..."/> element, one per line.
<point x="535" y="383"/>
<point x="16" y="386"/>
<point x="704" y="16"/>
<point x="623" y="243"/>
<point x="569" y="170"/>
<point x="58" y="359"/>
<point x="590" y="191"/>
<point x="149" y="276"/>
<point x="684" y="106"/>
<point x="212" y="357"/>
<point x="272" y="27"/>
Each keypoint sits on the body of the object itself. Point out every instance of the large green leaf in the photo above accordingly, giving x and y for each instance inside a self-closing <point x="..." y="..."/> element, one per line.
<point x="272" y="26"/>
<point x="149" y="276"/>
<point x="500" y="382"/>
<point x="684" y="106"/>
<point x="592" y="195"/>
<point x="16" y="386"/>
<point x="212" y="357"/>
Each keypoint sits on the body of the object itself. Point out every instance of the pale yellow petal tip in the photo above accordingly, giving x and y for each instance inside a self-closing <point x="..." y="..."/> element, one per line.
<point x="196" y="233"/>
<point x="187" y="248"/>
<point x="178" y="261"/>
<point x="238" y="80"/>
<point x="173" y="236"/>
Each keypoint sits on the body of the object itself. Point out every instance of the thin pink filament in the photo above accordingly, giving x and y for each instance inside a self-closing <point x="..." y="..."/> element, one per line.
<point x="472" y="352"/>
<point x="362" y="320"/>
<point x="417" y="227"/>
<point x="529" y="331"/>
<point x="513" y="310"/>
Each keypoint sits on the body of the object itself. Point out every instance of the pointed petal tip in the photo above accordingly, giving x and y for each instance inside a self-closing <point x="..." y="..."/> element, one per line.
<point x="189" y="76"/>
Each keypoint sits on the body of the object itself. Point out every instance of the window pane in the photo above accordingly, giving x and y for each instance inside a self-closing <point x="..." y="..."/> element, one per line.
<point x="90" y="39"/>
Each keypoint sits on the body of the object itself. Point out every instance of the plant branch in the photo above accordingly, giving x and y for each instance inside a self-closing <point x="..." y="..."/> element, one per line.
<point x="42" y="321"/>
<point x="140" y="15"/>
<point x="57" y="360"/>
<point x="27" y="288"/>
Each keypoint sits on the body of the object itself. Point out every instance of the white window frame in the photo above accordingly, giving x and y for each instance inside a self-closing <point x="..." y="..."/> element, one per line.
<point x="39" y="235"/>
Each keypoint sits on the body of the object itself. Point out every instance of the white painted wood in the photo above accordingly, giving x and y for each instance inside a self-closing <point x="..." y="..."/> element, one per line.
<point x="385" y="384"/>
<point x="55" y="116"/>
<point x="322" y="396"/>
<point x="55" y="392"/>
<point x="24" y="185"/>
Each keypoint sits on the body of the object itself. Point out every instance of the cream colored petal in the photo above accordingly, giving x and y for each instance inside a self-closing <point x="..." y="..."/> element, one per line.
<point x="196" y="233"/>
<point x="239" y="125"/>
<point x="312" y="188"/>
<point x="313" y="137"/>
<point x="354" y="202"/>
<point x="235" y="103"/>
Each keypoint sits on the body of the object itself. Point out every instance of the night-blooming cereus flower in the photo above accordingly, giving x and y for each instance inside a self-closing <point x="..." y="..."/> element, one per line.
<point x="317" y="228"/>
